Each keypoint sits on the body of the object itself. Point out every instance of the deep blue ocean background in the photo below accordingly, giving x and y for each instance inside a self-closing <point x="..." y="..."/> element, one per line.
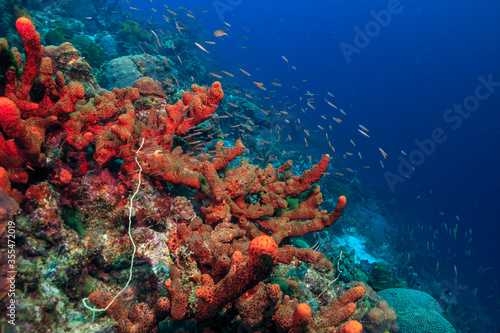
<point x="425" y="60"/>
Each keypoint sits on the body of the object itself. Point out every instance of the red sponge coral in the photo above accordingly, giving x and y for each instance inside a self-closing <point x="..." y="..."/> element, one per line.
<point x="301" y="317"/>
<point x="352" y="326"/>
<point x="34" y="53"/>
<point x="263" y="250"/>
<point x="161" y="308"/>
<point x="101" y="299"/>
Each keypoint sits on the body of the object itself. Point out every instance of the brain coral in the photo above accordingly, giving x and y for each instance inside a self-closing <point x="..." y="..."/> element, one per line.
<point x="417" y="311"/>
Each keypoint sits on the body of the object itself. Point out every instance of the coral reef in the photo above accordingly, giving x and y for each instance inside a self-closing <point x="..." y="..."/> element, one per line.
<point x="76" y="157"/>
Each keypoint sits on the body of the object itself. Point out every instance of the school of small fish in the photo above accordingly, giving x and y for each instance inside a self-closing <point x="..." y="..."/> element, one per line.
<point x="286" y="112"/>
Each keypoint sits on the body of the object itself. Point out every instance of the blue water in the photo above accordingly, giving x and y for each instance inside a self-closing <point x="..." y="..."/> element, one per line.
<point x="399" y="84"/>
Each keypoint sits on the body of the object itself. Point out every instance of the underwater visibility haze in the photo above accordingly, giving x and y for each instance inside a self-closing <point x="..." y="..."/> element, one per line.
<point x="249" y="166"/>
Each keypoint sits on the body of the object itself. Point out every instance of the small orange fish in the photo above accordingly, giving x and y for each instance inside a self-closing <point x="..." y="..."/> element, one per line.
<point x="219" y="33"/>
<point x="245" y="72"/>
<point x="330" y="103"/>
<point x="360" y="131"/>
<point x="364" y="128"/>
<point x="383" y="152"/>
<point x="201" y="47"/>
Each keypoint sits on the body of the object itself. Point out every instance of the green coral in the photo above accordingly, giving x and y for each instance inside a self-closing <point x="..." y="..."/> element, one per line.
<point x="93" y="55"/>
<point x="309" y="192"/>
<point x="204" y="188"/>
<point x="7" y="62"/>
<point x="73" y="218"/>
<point x="417" y="311"/>
<point x="132" y="33"/>
<point x="293" y="203"/>
<point x="7" y="59"/>
<point x="284" y="285"/>
<point x="90" y="50"/>
<point x="60" y="34"/>
<point x="382" y="278"/>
